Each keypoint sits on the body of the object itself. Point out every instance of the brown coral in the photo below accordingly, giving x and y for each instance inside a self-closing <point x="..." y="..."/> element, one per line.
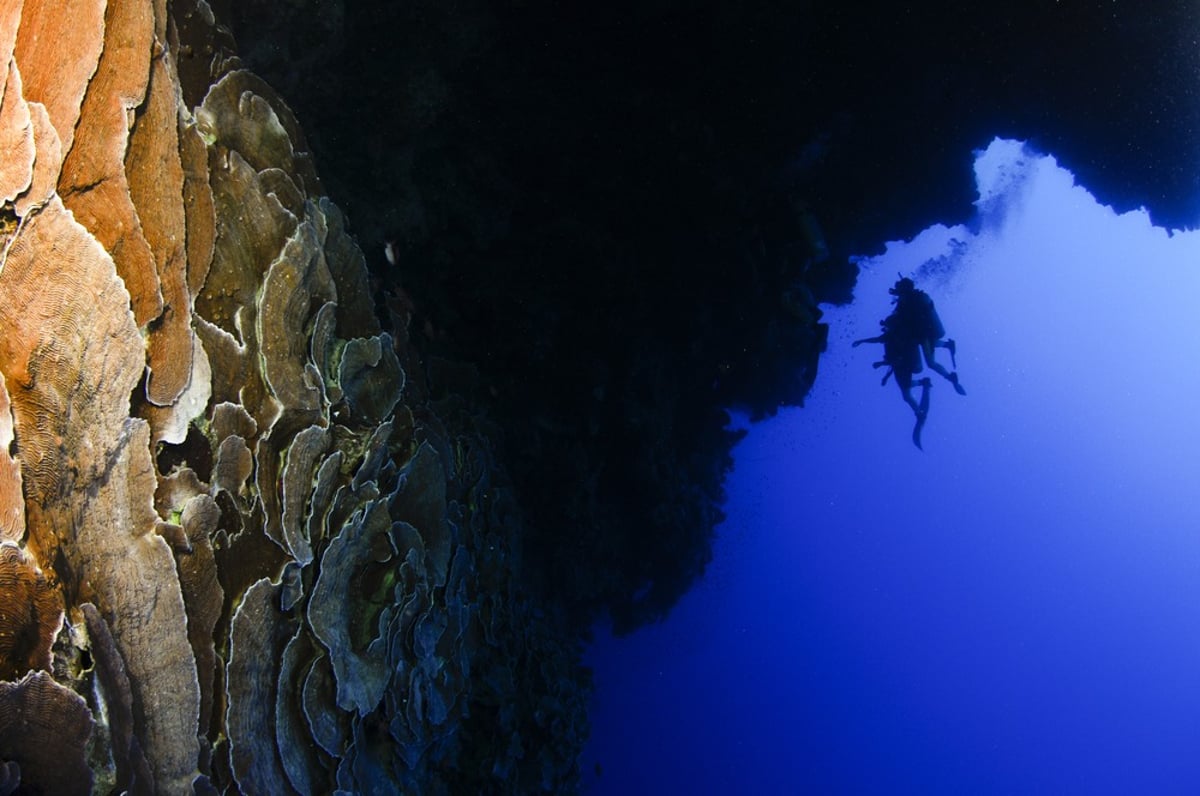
<point x="154" y="171"/>
<point x="30" y="614"/>
<point x="12" y="504"/>
<point x="268" y="554"/>
<point x="93" y="183"/>
<point x="44" y="729"/>
<point x="43" y="37"/>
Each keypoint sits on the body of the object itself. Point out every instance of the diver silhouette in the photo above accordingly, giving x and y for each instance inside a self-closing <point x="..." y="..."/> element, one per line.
<point x="912" y="332"/>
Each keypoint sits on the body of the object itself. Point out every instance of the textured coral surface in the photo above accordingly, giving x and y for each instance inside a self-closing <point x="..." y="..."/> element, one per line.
<point x="244" y="544"/>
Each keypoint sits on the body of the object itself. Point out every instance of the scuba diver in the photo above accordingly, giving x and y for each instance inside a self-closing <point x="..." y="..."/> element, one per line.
<point x="916" y="319"/>
<point x="902" y="357"/>
<point x="911" y="333"/>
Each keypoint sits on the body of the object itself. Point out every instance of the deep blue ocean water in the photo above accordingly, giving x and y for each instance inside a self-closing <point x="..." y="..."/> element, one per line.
<point x="1015" y="610"/>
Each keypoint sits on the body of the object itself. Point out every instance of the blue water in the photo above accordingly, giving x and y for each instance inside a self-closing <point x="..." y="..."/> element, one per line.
<point x="1014" y="611"/>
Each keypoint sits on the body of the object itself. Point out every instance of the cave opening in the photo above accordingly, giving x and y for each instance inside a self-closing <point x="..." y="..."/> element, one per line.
<point x="991" y="615"/>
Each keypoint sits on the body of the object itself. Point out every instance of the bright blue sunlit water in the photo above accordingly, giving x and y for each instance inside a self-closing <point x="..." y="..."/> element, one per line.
<point x="1014" y="611"/>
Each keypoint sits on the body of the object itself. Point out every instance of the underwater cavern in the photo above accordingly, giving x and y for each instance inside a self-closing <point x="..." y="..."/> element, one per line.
<point x="359" y="358"/>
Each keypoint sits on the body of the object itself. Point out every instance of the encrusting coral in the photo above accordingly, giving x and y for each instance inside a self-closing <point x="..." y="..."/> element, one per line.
<point x="244" y="544"/>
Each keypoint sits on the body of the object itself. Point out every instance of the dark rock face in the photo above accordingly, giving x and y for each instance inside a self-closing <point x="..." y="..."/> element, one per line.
<point x="871" y="109"/>
<point x="625" y="213"/>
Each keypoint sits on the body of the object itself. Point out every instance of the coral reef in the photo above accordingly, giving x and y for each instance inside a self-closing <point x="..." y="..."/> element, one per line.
<point x="241" y="547"/>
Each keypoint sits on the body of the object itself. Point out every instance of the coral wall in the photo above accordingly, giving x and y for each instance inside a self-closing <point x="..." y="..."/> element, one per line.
<point x="246" y="544"/>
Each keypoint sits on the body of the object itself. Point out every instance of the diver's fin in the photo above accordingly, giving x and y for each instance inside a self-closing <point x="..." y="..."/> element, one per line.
<point x="958" y="388"/>
<point x="917" y="431"/>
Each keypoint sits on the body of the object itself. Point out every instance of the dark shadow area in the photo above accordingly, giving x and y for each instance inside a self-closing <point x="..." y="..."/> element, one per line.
<point x="626" y="214"/>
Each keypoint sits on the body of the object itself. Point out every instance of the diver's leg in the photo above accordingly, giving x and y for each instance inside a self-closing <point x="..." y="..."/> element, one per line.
<point x="927" y="347"/>
<point x="922" y="413"/>
<point x="905" y="383"/>
<point x="927" y="351"/>
<point x="950" y="346"/>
